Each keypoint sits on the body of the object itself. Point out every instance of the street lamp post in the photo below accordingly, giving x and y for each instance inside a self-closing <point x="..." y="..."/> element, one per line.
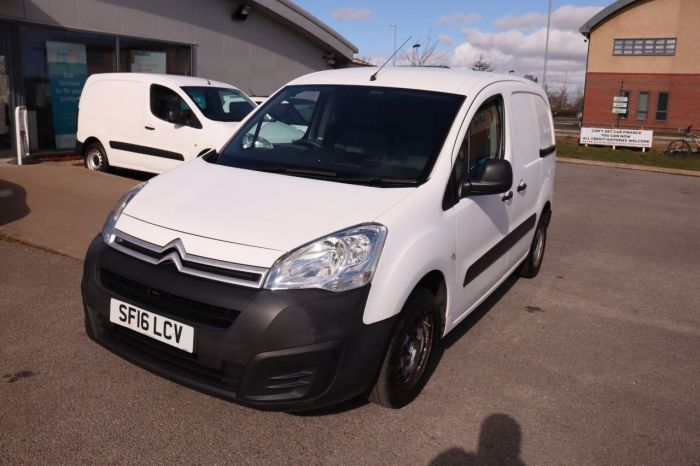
<point x="394" y="50"/>
<point x="546" y="45"/>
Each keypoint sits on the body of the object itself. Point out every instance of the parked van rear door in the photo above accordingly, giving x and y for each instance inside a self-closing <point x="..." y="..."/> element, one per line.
<point x="112" y="111"/>
<point x="169" y="132"/>
<point x="527" y="176"/>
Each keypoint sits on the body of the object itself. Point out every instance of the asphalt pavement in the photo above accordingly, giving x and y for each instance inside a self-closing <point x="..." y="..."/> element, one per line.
<point x="595" y="361"/>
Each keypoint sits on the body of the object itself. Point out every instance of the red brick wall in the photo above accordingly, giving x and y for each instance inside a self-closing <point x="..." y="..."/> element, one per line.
<point x="683" y="107"/>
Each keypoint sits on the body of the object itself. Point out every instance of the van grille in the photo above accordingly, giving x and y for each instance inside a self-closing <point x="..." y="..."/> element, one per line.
<point x="169" y="303"/>
<point x="174" y="255"/>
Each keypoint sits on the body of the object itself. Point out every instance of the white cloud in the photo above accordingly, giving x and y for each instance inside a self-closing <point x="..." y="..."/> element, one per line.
<point x="351" y="14"/>
<point x="519" y="45"/>
<point x="567" y="17"/>
<point x="445" y="39"/>
<point x="458" y="19"/>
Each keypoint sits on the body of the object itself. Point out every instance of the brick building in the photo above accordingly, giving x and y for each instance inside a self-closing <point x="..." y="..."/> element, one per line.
<point x="649" y="51"/>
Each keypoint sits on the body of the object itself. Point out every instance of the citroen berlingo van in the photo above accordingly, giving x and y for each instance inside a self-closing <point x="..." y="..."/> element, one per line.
<point x="294" y="274"/>
<point x="153" y="122"/>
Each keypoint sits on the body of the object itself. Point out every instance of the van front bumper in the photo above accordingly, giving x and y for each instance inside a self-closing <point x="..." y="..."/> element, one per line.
<point x="275" y="350"/>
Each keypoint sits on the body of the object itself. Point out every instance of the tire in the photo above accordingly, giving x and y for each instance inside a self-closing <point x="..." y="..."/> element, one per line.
<point x="678" y="148"/>
<point x="533" y="261"/>
<point x="96" y="157"/>
<point x="411" y="354"/>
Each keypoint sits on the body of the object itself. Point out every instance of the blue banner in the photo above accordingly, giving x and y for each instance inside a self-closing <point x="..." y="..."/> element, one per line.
<point x="67" y="66"/>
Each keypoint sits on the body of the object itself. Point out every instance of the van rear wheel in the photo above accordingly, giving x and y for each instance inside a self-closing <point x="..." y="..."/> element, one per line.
<point x="411" y="353"/>
<point x="96" y="157"/>
<point x="533" y="261"/>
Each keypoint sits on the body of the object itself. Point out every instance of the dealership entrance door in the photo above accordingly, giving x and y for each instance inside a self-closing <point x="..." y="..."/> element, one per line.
<point x="6" y="127"/>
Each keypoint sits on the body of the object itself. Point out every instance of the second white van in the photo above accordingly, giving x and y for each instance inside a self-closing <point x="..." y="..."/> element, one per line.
<point x="153" y="122"/>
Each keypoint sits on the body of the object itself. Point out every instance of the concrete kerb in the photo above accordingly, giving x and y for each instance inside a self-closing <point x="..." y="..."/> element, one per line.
<point x="629" y="166"/>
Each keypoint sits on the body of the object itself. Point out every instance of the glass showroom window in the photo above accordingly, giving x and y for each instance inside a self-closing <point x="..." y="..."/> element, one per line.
<point x="55" y="65"/>
<point x="143" y="56"/>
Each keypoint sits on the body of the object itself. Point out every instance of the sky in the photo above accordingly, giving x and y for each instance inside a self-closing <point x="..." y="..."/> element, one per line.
<point x="510" y="34"/>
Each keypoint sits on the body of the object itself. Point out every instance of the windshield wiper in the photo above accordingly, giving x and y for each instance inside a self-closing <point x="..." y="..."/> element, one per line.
<point x="293" y="170"/>
<point x="315" y="173"/>
<point x="379" y="181"/>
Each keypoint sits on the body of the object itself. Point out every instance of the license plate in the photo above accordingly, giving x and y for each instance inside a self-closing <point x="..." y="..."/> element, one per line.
<point x="168" y="331"/>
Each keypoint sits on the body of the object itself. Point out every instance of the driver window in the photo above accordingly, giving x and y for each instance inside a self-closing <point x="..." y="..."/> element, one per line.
<point x="164" y="100"/>
<point x="484" y="140"/>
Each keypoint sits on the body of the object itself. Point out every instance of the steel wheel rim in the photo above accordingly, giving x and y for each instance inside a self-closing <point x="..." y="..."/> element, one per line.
<point x="539" y="247"/>
<point x="94" y="159"/>
<point x="415" y="350"/>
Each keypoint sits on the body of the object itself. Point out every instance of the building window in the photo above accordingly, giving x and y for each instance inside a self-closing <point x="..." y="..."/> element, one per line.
<point x="662" y="107"/>
<point x="644" y="47"/>
<point x="642" y="105"/>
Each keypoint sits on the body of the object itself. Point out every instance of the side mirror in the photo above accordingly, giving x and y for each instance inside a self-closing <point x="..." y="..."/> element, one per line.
<point x="175" y="116"/>
<point x="496" y="178"/>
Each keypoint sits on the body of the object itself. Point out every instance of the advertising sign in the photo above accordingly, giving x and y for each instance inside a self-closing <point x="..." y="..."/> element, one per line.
<point x="67" y="66"/>
<point x="617" y="137"/>
<point x="143" y="61"/>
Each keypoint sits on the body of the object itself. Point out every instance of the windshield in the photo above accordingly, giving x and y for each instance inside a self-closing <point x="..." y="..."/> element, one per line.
<point x="353" y="134"/>
<point x="220" y="103"/>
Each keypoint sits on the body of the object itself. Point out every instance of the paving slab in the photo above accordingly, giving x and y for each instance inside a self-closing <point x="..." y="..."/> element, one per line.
<point x="57" y="206"/>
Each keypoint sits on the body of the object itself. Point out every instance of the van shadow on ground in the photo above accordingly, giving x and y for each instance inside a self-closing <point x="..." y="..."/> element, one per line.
<point x="13" y="202"/>
<point x="499" y="444"/>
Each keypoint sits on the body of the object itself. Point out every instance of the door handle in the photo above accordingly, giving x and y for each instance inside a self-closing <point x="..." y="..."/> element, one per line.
<point x="507" y="196"/>
<point x="149" y="128"/>
<point x="522" y="186"/>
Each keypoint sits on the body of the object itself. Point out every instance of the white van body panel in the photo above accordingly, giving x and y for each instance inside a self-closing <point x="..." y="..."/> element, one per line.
<point x="226" y="251"/>
<point x="115" y="110"/>
<point x="259" y="209"/>
<point x="278" y="213"/>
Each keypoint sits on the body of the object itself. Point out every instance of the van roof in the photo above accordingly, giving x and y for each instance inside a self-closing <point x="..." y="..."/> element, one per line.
<point x="172" y="79"/>
<point x="454" y="81"/>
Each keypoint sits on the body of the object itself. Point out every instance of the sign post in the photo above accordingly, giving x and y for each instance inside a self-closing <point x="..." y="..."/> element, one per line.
<point x="21" y="133"/>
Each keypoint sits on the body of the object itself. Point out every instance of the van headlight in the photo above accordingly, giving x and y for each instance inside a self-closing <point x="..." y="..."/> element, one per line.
<point x="108" y="230"/>
<point x="339" y="262"/>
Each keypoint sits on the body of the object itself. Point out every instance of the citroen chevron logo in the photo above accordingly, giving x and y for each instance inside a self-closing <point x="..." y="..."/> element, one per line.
<point x="174" y="252"/>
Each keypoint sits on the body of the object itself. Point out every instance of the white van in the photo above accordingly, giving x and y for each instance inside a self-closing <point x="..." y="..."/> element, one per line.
<point x="153" y="122"/>
<point x="295" y="274"/>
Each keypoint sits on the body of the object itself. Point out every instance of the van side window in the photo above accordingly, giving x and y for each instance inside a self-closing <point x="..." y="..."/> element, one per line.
<point x="164" y="100"/>
<point x="484" y="139"/>
<point x="543" y="121"/>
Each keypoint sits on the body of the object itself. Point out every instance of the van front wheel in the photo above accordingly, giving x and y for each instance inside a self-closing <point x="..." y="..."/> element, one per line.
<point x="411" y="353"/>
<point x="96" y="158"/>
